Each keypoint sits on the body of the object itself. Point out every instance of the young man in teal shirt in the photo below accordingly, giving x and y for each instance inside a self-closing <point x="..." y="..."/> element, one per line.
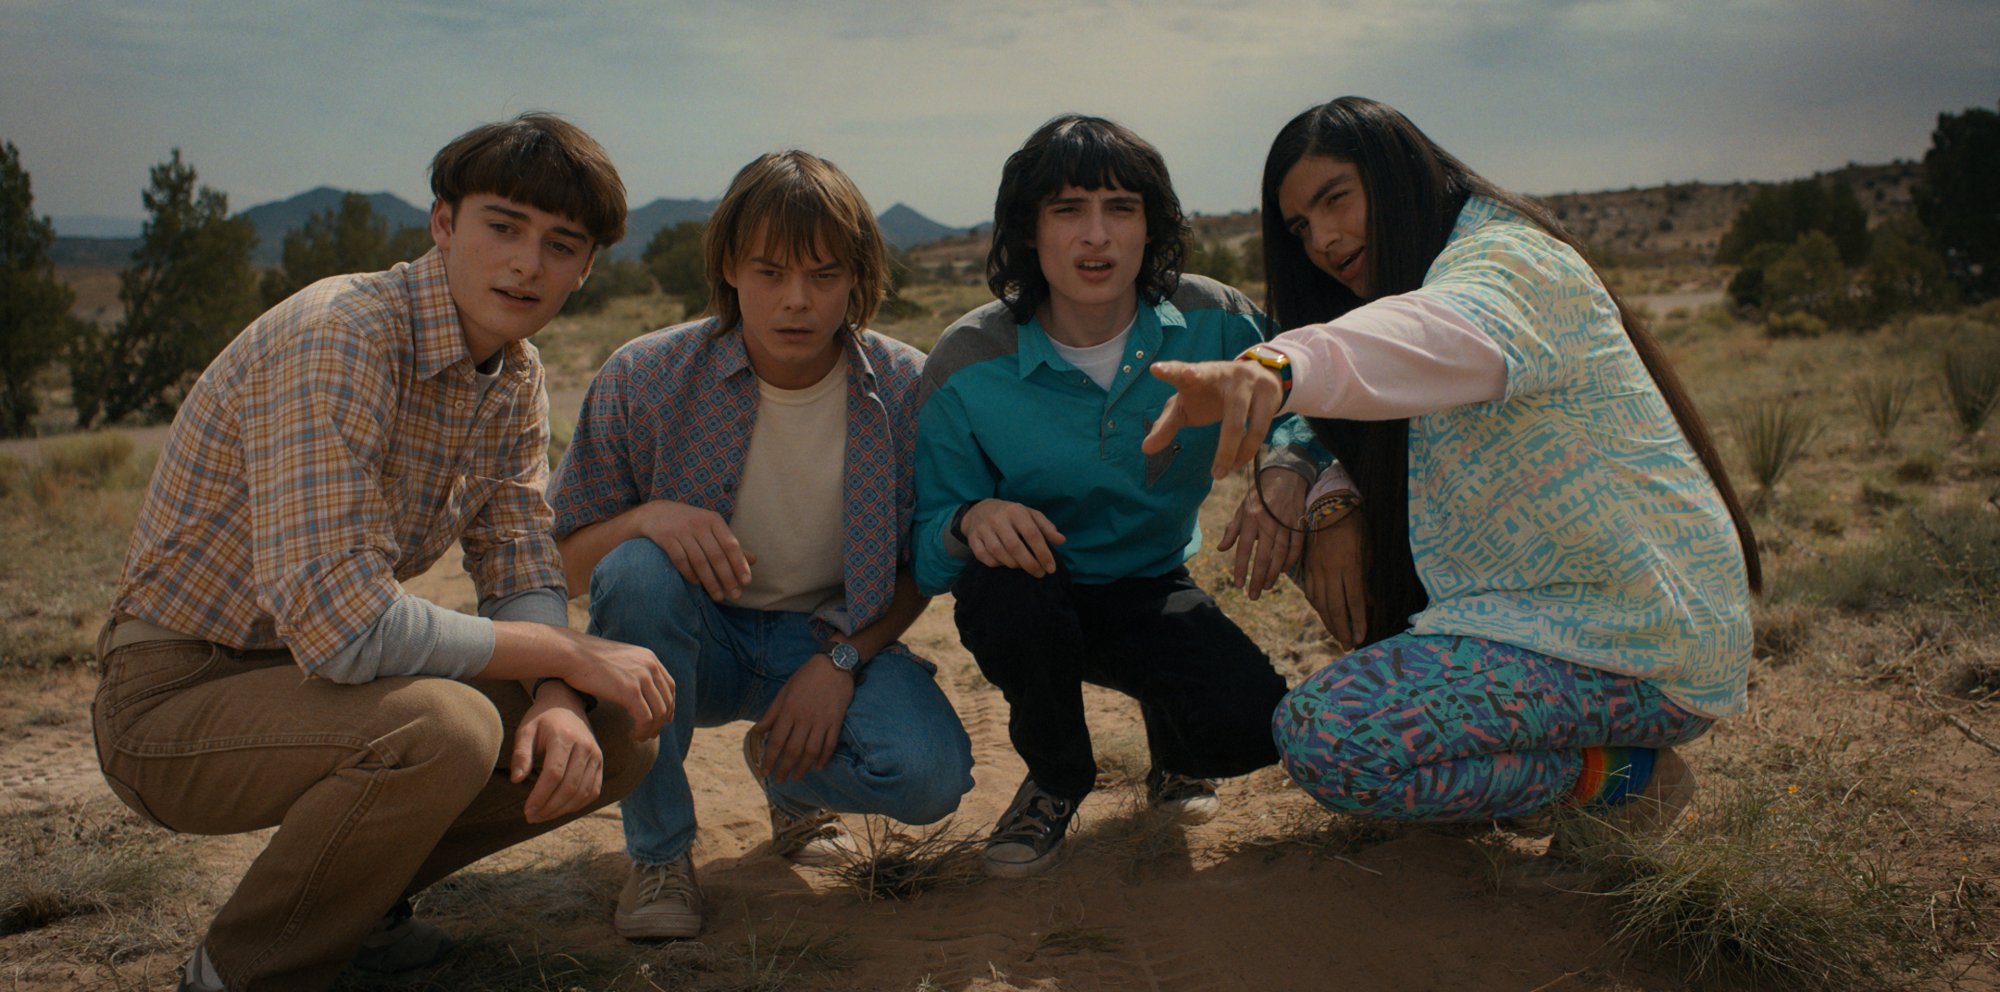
<point x="1062" y="542"/>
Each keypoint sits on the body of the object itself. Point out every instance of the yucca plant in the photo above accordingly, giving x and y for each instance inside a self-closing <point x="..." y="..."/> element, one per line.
<point x="1972" y="384"/>
<point x="1883" y="399"/>
<point x="1774" y="436"/>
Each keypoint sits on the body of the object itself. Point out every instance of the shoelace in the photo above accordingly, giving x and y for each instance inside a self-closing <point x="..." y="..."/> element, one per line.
<point x="667" y="880"/>
<point x="1174" y="785"/>
<point x="1037" y="819"/>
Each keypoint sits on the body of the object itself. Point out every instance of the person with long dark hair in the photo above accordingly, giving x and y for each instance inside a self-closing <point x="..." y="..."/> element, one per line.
<point x="1559" y="571"/>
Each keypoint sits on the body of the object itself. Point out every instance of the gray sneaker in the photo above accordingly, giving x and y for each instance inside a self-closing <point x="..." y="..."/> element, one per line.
<point x="810" y="836"/>
<point x="400" y="942"/>
<point x="1029" y="838"/>
<point x="659" y="902"/>
<point x="1186" y="798"/>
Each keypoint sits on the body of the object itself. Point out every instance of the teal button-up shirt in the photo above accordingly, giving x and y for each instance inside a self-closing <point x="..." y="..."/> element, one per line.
<point x="1004" y="416"/>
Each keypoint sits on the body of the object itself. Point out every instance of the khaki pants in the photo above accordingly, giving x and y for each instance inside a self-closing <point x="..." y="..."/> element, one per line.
<point x="377" y="790"/>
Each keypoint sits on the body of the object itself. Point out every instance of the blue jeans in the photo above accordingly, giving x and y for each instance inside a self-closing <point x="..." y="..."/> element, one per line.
<point x="902" y="751"/>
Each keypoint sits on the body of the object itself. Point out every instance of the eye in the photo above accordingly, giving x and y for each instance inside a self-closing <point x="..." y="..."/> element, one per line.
<point x="562" y="247"/>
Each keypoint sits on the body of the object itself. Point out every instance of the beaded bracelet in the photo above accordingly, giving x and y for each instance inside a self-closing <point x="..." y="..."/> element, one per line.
<point x="1331" y="508"/>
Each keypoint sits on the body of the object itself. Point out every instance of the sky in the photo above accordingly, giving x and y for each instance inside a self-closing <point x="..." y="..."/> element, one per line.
<point x="922" y="102"/>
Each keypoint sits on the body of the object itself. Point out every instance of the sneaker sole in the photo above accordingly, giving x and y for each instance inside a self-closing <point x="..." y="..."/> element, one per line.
<point x="1192" y="813"/>
<point x="1025" y="869"/>
<point x="632" y="929"/>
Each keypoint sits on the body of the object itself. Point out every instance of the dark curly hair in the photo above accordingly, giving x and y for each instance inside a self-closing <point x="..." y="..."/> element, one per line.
<point x="1088" y="153"/>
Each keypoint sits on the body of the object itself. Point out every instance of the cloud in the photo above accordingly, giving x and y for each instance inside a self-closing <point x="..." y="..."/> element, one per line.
<point x="922" y="102"/>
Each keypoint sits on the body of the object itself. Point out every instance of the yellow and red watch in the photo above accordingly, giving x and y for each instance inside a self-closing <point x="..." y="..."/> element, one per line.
<point x="1273" y="359"/>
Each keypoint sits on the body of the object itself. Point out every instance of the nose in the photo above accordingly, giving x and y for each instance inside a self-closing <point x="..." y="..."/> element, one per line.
<point x="1324" y="236"/>
<point x="794" y="296"/>
<point x="1095" y="231"/>
<point x="527" y="260"/>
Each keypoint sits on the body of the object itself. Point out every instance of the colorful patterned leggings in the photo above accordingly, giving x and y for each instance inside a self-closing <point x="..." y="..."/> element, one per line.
<point x="1437" y="728"/>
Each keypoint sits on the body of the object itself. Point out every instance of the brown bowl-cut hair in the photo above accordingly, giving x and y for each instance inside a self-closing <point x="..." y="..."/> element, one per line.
<point x="803" y="205"/>
<point x="541" y="160"/>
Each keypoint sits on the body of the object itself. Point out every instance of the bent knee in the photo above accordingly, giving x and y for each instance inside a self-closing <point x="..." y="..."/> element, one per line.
<point x="638" y="567"/>
<point x="925" y="788"/>
<point x="449" y="728"/>
<point x="1332" y="761"/>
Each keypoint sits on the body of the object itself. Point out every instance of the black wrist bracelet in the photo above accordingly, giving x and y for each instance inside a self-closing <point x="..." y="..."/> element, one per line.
<point x="957" y="528"/>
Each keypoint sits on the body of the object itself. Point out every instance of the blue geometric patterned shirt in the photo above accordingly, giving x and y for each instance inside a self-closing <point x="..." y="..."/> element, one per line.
<point x="671" y="414"/>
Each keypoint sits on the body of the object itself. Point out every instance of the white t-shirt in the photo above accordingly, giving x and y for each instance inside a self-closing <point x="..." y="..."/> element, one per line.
<point x="788" y="507"/>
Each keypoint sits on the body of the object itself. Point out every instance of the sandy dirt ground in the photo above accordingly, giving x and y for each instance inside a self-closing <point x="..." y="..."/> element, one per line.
<point x="1240" y="903"/>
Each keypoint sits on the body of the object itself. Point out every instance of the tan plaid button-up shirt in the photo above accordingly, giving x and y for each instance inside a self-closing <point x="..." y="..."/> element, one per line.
<point x="336" y="447"/>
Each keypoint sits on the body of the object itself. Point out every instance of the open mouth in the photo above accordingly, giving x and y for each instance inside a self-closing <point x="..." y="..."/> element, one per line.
<point x="1350" y="266"/>
<point x="518" y="296"/>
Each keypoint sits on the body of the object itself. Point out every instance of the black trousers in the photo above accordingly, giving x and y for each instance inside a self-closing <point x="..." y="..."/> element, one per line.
<point x="1205" y="690"/>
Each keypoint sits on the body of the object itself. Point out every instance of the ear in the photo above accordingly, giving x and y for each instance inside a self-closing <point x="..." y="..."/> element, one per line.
<point x="443" y="216"/>
<point x="588" y="265"/>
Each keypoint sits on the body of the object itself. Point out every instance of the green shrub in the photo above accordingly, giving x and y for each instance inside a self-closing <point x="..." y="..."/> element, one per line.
<point x="1972" y="383"/>
<point x="1794" y="325"/>
<point x="1774" y="436"/>
<point x="1883" y="399"/>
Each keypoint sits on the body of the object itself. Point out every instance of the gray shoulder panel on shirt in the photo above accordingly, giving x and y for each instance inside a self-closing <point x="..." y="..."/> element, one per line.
<point x="1202" y="293"/>
<point x="984" y="334"/>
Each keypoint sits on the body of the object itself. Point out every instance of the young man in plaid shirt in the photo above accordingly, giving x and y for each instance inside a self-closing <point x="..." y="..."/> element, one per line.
<point x="264" y="666"/>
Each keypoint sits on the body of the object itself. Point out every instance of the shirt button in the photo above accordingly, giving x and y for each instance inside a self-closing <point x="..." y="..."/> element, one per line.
<point x="1138" y="354"/>
<point x="1128" y="369"/>
<point x="1111" y="425"/>
<point x="460" y="404"/>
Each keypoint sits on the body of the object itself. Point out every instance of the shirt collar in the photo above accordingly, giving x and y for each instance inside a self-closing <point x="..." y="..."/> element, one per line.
<point x="439" y="337"/>
<point x="1148" y="327"/>
<point x="733" y="356"/>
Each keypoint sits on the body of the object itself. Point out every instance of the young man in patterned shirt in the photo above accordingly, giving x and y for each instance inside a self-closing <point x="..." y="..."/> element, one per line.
<point x="737" y="498"/>
<point x="265" y="667"/>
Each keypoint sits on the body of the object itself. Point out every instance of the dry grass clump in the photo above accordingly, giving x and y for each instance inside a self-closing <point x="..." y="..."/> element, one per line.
<point x="774" y="963"/>
<point x="891" y="863"/>
<point x="1756" y="899"/>
<point x="1947" y="557"/>
<point x="93" y="860"/>
<point x="88" y="459"/>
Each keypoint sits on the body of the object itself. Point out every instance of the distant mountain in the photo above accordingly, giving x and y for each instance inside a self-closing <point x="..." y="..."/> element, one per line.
<point x="905" y="228"/>
<point x="643" y="223"/>
<point x="90" y="253"/>
<point x="97" y="226"/>
<point x="274" y="219"/>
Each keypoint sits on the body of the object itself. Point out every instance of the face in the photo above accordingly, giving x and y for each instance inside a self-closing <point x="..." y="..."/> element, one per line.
<point x="1325" y="206"/>
<point x="510" y="267"/>
<point x="792" y="310"/>
<point x="1091" y="243"/>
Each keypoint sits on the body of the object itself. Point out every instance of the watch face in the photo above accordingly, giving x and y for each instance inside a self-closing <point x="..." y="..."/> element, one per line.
<point x="845" y="656"/>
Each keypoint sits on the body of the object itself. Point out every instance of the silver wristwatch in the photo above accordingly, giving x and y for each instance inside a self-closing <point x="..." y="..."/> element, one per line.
<point x="844" y="656"/>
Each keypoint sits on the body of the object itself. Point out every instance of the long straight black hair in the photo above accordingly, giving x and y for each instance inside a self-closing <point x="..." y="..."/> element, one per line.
<point x="1415" y="191"/>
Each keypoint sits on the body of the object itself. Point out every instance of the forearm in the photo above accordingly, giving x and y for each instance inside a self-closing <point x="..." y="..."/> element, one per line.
<point x="413" y="636"/>
<point x="584" y="547"/>
<point x="1401" y="356"/>
<point x="905" y="606"/>
<point x="525" y="650"/>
